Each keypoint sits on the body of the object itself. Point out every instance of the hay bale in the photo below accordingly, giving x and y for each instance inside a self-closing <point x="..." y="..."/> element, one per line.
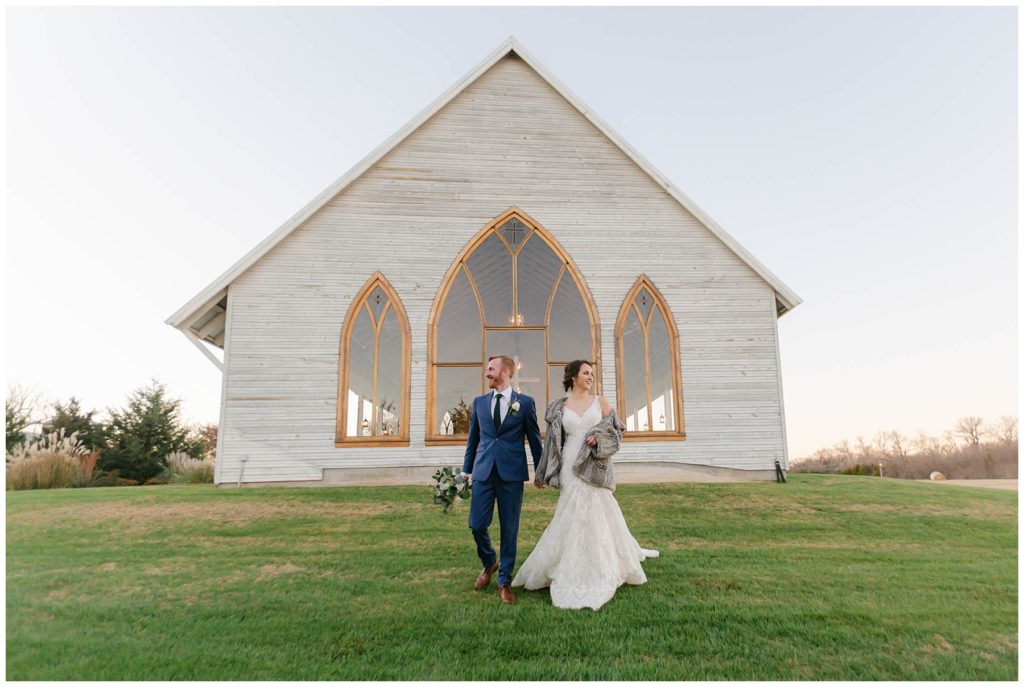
<point x="936" y="476"/>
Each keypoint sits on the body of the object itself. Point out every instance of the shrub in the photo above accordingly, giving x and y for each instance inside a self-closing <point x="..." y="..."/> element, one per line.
<point x="139" y="437"/>
<point x="71" y="418"/>
<point x="869" y="469"/>
<point x="55" y="461"/>
<point x="184" y="469"/>
<point x="110" y="479"/>
<point x="204" y="437"/>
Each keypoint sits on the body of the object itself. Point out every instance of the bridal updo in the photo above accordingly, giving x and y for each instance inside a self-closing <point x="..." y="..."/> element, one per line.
<point x="571" y="371"/>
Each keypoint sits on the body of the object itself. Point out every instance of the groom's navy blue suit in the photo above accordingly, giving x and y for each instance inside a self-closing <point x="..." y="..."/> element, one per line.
<point x="496" y="458"/>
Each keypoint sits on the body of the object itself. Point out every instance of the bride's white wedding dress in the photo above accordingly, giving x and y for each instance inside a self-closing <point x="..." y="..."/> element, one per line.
<point x="586" y="552"/>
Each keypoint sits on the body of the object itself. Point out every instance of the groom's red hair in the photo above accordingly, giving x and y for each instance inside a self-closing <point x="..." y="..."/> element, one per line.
<point x="506" y="362"/>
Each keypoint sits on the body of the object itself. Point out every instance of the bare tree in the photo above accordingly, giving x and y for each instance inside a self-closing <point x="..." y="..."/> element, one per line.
<point x="949" y="445"/>
<point x="925" y="443"/>
<point x="864" y="451"/>
<point x="959" y="453"/>
<point x="881" y="444"/>
<point x="22" y="409"/>
<point x="970" y="430"/>
<point x="843" y="451"/>
<point x="1004" y="430"/>
<point x="898" y="442"/>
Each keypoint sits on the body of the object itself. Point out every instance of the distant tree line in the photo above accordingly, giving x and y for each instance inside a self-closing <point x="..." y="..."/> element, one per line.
<point x="972" y="449"/>
<point x="133" y="445"/>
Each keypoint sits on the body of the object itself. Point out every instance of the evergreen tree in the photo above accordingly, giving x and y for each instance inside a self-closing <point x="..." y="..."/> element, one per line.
<point x="70" y="418"/>
<point x="140" y="436"/>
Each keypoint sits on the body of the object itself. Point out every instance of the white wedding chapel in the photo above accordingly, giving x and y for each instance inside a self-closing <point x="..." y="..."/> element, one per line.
<point x="505" y="218"/>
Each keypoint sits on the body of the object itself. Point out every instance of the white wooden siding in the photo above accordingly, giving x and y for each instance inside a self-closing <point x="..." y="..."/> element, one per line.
<point x="508" y="140"/>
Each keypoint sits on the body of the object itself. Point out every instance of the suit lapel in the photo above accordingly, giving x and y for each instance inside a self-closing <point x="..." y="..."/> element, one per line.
<point x="484" y="411"/>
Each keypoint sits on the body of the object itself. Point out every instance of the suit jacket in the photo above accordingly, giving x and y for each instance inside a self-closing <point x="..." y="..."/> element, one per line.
<point x="502" y="449"/>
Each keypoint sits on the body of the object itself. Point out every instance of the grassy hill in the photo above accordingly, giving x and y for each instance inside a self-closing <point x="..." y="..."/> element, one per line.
<point x="826" y="577"/>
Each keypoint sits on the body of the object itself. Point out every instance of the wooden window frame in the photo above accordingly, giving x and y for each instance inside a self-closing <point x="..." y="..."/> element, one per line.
<point x="357" y="304"/>
<point x="642" y="282"/>
<point x="568" y="267"/>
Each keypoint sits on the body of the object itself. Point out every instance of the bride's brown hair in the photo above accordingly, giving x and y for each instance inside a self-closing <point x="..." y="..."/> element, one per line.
<point x="571" y="370"/>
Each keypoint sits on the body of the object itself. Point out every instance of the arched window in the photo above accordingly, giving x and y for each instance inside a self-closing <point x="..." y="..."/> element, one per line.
<point x="373" y="369"/>
<point x="647" y="365"/>
<point x="513" y="290"/>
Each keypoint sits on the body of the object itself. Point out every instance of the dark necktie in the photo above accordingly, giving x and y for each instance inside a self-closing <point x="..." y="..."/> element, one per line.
<point x="497" y="411"/>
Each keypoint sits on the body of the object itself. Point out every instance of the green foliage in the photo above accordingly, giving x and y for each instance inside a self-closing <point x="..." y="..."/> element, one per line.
<point x="449" y="485"/>
<point x="459" y="417"/>
<point x="15" y="427"/>
<point x="69" y="418"/>
<point x="143" y="433"/>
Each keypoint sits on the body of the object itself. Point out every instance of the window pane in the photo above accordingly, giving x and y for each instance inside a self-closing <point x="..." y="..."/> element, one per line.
<point x="456" y="389"/>
<point x="555" y="390"/>
<point x="515" y="232"/>
<point x="569" y="336"/>
<point x="660" y="350"/>
<point x="389" y="377"/>
<point x="360" y="377"/>
<point x="634" y="375"/>
<point x="527" y="348"/>
<point x="644" y="300"/>
<point x="459" y="333"/>
<point x="491" y="267"/>
<point x="377" y="300"/>
<point x="538" y="268"/>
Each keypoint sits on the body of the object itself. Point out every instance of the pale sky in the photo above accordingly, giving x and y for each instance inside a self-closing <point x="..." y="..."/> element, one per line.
<point x="867" y="156"/>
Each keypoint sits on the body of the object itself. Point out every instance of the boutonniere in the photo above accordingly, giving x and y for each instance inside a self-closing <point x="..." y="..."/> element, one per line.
<point x="514" y="408"/>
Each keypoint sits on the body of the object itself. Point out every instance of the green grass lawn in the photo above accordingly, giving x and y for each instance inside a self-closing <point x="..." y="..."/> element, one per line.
<point x="826" y="577"/>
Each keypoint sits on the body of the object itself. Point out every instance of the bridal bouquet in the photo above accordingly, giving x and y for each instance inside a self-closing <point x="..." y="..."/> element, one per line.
<point x="449" y="484"/>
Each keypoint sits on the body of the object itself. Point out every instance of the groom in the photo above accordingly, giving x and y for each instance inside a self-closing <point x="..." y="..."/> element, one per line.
<point x="496" y="460"/>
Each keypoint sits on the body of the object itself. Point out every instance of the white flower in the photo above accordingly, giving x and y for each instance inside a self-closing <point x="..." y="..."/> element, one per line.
<point x="515" y="406"/>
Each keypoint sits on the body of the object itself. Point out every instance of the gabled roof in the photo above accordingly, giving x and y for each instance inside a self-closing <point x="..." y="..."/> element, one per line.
<point x="198" y="310"/>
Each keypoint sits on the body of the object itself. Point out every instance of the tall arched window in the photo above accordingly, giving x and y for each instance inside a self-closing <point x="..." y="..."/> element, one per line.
<point x="373" y="369"/>
<point x="513" y="290"/>
<point x="647" y="365"/>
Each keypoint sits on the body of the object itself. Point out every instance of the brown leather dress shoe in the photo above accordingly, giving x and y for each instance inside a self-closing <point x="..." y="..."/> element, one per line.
<point x="484" y="578"/>
<point x="505" y="592"/>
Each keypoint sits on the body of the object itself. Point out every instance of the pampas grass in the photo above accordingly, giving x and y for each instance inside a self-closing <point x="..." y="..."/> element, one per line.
<point x="55" y="461"/>
<point x="184" y="469"/>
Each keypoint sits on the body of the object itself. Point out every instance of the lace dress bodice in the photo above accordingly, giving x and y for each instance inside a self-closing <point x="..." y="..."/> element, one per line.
<point x="576" y="428"/>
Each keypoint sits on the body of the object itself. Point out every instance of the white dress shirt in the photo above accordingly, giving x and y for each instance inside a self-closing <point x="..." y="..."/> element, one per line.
<point x="505" y="402"/>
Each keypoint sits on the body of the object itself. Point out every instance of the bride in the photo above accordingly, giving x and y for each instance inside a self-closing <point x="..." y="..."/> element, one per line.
<point x="586" y="552"/>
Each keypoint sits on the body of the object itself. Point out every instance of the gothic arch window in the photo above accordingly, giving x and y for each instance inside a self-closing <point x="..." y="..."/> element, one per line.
<point x="647" y="366"/>
<point x="513" y="290"/>
<point x="373" y="369"/>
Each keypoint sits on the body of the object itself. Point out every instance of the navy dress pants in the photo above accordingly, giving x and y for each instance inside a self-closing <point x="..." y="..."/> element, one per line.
<point x="509" y="496"/>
